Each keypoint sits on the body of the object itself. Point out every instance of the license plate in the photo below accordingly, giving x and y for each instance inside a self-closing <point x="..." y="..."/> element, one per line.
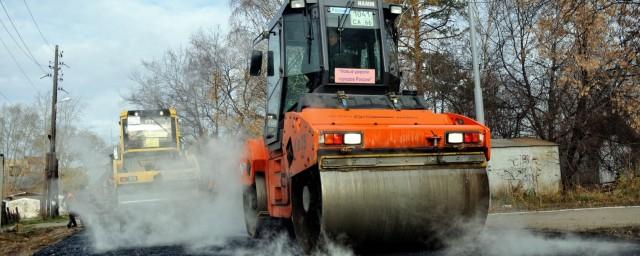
<point x="362" y="18"/>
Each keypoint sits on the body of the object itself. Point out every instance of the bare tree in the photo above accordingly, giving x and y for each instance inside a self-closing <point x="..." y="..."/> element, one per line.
<point x="423" y="27"/>
<point x="209" y="84"/>
<point x="253" y="15"/>
<point x="19" y="132"/>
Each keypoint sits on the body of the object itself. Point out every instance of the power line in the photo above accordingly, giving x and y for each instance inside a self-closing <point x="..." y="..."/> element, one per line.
<point x="5" y="97"/>
<point x="18" y="64"/>
<point x="28" y="52"/>
<point x="26" y="48"/>
<point x="14" y="40"/>
<point x="36" y="23"/>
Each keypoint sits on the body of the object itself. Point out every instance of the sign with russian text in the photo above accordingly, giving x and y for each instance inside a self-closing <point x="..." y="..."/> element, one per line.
<point x="355" y="76"/>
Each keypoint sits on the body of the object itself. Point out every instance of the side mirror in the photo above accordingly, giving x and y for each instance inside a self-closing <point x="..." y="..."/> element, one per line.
<point x="272" y="125"/>
<point x="255" y="67"/>
<point x="270" y="71"/>
<point x="115" y="153"/>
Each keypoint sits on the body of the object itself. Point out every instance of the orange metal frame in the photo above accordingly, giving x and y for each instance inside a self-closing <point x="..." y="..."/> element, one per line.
<point x="380" y="129"/>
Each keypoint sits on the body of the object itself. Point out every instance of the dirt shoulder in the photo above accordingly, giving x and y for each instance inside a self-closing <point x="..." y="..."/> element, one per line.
<point x="26" y="239"/>
<point x="625" y="233"/>
<point x="626" y="192"/>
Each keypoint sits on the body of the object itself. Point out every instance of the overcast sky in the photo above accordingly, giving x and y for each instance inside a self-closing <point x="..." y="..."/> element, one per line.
<point x="103" y="41"/>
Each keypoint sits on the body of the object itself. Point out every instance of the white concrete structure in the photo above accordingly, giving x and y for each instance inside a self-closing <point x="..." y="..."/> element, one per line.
<point x="30" y="207"/>
<point x="27" y="207"/>
<point x="524" y="164"/>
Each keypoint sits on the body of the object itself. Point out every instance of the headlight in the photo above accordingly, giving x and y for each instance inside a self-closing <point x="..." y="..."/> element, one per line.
<point x="297" y="4"/>
<point x="340" y="138"/>
<point x="129" y="179"/>
<point x="465" y="137"/>
<point x="352" y="138"/>
<point x="395" y="9"/>
<point x="455" y="138"/>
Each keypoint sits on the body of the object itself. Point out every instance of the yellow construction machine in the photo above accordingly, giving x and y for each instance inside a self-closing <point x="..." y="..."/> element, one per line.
<point x="149" y="165"/>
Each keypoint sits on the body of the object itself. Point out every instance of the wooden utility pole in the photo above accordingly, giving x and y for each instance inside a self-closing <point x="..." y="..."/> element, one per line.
<point x="51" y="203"/>
<point x="1" y="191"/>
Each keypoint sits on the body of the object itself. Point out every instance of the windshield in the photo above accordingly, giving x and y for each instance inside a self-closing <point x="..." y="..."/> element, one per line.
<point x="354" y="46"/>
<point x="149" y="132"/>
<point x="302" y="55"/>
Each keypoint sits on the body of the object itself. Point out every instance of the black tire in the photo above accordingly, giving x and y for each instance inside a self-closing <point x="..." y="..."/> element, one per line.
<point x="306" y="200"/>
<point x="254" y="202"/>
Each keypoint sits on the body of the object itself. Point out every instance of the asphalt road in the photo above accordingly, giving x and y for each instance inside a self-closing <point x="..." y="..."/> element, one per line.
<point x="505" y="234"/>
<point x="574" y="220"/>
<point x="80" y="244"/>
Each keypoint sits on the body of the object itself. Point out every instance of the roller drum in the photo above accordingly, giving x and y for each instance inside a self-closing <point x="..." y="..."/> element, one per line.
<point x="402" y="206"/>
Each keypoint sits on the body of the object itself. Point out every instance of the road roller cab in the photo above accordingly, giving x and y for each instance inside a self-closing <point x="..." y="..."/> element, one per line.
<point x="344" y="151"/>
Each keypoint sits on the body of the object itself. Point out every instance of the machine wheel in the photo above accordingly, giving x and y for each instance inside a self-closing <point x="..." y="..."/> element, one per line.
<point x="306" y="200"/>
<point x="254" y="202"/>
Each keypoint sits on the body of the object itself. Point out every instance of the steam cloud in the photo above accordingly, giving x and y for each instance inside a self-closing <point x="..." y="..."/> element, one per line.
<point x="215" y="225"/>
<point x="193" y="220"/>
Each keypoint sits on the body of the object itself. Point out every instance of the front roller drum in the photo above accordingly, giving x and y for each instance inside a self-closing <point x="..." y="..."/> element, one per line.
<point x="389" y="206"/>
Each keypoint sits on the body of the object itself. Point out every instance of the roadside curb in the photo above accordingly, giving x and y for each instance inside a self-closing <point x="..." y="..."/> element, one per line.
<point x="565" y="210"/>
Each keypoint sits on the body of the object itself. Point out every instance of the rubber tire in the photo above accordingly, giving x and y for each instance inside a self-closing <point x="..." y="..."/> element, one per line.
<point x="254" y="201"/>
<point x="307" y="223"/>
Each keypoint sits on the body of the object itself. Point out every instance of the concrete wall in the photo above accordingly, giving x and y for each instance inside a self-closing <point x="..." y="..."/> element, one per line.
<point x="533" y="167"/>
<point x="27" y="207"/>
<point x="30" y="208"/>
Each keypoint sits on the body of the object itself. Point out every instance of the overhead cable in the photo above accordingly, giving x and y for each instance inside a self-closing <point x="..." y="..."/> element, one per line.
<point x="26" y="48"/>
<point x="36" y="24"/>
<point x="18" y="64"/>
<point x="5" y="97"/>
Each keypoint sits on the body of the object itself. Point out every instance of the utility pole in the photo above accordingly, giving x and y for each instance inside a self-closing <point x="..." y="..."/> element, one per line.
<point x="477" y="91"/>
<point x="51" y="161"/>
<point x="2" y="192"/>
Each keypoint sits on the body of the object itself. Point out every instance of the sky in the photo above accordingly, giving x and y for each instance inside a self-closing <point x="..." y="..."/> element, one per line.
<point x="103" y="43"/>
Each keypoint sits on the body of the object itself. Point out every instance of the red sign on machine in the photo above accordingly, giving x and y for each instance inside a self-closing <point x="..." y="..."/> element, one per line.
<point x="355" y="76"/>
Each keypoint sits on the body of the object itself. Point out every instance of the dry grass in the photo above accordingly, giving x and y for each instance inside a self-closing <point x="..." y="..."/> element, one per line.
<point x="29" y="240"/>
<point x="625" y="192"/>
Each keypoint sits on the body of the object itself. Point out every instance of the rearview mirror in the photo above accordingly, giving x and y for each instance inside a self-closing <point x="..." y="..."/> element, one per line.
<point x="255" y="67"/>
